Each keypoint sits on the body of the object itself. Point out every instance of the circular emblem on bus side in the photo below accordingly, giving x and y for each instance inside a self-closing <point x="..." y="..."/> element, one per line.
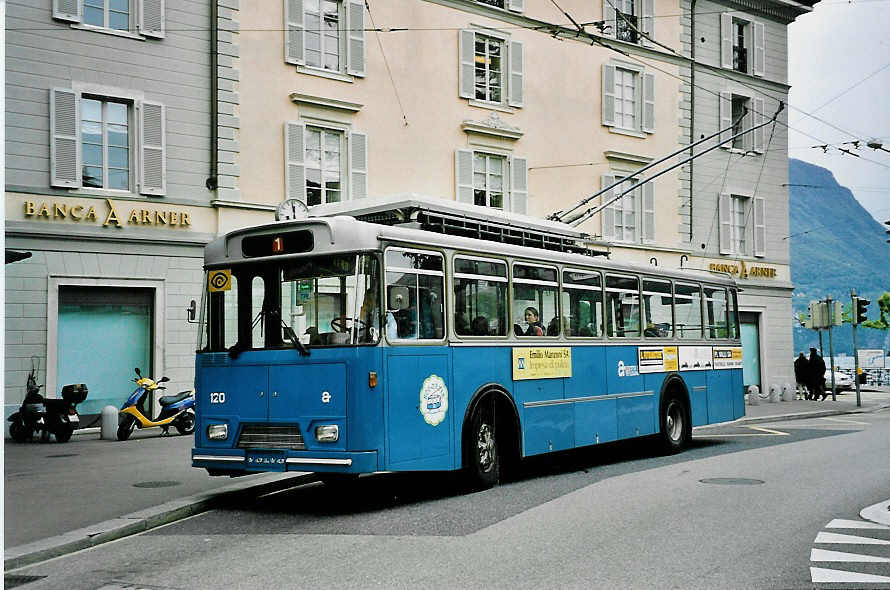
<point x="433" y="400"/>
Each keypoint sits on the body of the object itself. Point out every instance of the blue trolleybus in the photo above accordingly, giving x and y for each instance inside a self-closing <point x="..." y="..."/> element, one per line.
<point x="408" y="340"/>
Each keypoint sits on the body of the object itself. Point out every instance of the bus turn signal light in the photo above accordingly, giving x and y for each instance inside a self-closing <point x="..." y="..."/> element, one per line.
<point x="372" y="379"/>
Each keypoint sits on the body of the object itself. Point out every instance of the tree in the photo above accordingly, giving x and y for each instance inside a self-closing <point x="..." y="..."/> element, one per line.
<point x="883" y="322"/>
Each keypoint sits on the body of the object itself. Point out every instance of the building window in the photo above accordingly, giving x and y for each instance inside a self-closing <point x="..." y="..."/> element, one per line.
<point x="489" y="73"/>
<point x="491" y="69"/>
<point x="626" y="24"/>
<point x="492" y="180"/>
<point x="626" y="98"/>
<point x="740" y="45"/>
<point x="324" y="44"/>
<point x="110" y="14"/>
<point x="741" y="118"/>
<point x="324" y="166"/>
<point x="114" y="15"/>
<point x="739" y="212"/>
<point x="631" y="218"/>
<point x="489" y="173"/>
<point x="105" y="144"/>
<point x="631" y="21"/>
<point x="626" y="213"/>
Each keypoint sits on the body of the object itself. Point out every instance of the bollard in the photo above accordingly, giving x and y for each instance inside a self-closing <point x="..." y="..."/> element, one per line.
<point x="788" y="392"/>
<point x="109" y="423"/>
<point x="773" y="393"/>
<point x="753" y="395"/>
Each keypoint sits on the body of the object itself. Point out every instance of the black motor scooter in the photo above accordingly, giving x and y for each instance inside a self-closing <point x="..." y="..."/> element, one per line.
<point x="51" y="416"/>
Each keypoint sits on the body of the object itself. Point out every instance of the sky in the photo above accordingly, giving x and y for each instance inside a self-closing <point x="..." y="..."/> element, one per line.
<point x="839" y="70"/>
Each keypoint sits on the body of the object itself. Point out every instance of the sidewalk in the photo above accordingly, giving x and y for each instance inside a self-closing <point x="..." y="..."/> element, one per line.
<point x="61" y="498"/>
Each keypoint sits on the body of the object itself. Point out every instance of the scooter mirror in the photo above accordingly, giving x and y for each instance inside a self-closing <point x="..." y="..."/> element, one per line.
<point x="138" y="372"/>
<point x="164" y="379"/>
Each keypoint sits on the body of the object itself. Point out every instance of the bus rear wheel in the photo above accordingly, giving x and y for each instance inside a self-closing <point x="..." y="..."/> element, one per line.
<point x="483" y="453"/>
<point x="675" y="425"/>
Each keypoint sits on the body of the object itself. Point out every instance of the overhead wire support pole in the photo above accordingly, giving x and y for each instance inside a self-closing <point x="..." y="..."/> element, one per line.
<point x="594" y="210"/>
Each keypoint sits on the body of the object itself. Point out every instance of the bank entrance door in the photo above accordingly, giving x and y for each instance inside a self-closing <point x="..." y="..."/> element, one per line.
<point x="750" y="348"/>
<point x="104" y="332"/>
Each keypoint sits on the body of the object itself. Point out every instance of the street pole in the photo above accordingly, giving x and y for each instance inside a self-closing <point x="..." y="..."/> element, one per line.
<point x="819" y="332"/>
<point x="855" y="348"/>
<point x="831" y="347"/>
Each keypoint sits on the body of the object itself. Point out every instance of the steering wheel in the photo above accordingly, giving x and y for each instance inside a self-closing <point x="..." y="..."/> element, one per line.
<point x="339" y="324"/>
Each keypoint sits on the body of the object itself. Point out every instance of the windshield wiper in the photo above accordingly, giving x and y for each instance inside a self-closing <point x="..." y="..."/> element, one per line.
<point x="289" y="333"/>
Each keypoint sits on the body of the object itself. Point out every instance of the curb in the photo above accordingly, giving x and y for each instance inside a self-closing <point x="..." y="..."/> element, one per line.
<point x="149" y="518"/>
<point x="879" y="513"/>
<point x="815" y="414"/>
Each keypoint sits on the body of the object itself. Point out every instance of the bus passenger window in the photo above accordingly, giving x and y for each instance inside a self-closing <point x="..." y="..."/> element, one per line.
<point x="622" y="306"/>
<point x="415" y="286"/>
<point x="582" y="303"/>
<point x="715" y="312"/>
<point x="535" y="307"/>
<point x="480" y="297"/>
<point x="687" y="307"/>
<point x="657" y="309"/>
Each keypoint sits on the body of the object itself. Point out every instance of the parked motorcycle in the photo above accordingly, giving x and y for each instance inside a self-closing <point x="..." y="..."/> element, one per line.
<point x="178" y="410"/>
<point x="47" y="415"/>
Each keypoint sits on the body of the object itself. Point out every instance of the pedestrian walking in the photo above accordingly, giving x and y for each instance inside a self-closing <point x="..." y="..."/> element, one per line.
<point x="800" y="376"/>
<point x="817" y="376"/>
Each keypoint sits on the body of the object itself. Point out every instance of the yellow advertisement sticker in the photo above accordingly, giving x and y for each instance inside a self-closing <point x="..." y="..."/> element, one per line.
<point x="657" y="359"/>
<point x="542" y="363"/>
<point x="219" y="280"/>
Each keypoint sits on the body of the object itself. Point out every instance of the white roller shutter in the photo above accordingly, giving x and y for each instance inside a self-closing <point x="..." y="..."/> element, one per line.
<point x="65" y="141"/>
<point x="608" y="116"/>
<point x="151" y="18"/>
<point x="516" y="74"/>
<point x="294" y="154"/>
<point x="358" y="164"/>
<point x="519" y="185"/>
<point x="463" y="175"/>
<point x="759" y="226"/>
<point x="648" y="103"/>
<point x="648" y="212"/>
<point x="355" y="22"/>
<point x="152" y="151"/>
<point x="293" y="31"/>
<point x="726" y="40"/>
<point x="467" y="54"/>
<point x="725" y="109"/>
<point x="607" y="215"/>
<point x="724" y="206"/>
<point x="759" y="49"/>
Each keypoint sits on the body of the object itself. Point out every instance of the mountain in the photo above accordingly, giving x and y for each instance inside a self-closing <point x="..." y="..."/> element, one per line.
<point x="835" y="246"/>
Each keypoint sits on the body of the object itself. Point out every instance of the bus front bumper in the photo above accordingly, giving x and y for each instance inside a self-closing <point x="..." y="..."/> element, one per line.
<point x="239" y="460"/>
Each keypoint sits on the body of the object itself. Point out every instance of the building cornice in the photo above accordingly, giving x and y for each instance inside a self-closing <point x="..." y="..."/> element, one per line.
<point x="493" y="126"/>
<point x="326" y="103"/>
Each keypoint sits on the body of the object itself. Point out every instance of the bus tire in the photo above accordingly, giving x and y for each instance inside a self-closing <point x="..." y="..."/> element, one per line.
<point x="482" y="451"/>
<point x="675" y="425"/>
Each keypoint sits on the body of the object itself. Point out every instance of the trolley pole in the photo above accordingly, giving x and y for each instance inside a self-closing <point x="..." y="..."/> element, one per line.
<point x="855" y="349"/>
<point x="831" y="347"/>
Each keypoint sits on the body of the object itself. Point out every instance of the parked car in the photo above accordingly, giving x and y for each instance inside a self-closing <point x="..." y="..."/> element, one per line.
<point x="841" y="380"/>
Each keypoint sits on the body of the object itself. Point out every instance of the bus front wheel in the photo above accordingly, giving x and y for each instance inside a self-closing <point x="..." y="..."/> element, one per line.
<point x="483" y="465"/>
<point x="676" y="427"/>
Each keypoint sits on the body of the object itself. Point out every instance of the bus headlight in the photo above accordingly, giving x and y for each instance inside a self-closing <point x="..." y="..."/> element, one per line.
<point x="218" y="431"/>
<point x="327" y="433"/>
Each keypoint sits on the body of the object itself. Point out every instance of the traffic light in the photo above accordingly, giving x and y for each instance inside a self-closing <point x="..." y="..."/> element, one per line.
<point x="860" y="310"/>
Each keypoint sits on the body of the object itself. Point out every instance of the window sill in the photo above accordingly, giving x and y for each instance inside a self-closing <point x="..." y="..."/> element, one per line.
<point x="321" y="73"/>
<point x="107" y="31"/>
<point x="492" y="106"/>
<point x="108" y="193"/>
<point x="628" y="132"/>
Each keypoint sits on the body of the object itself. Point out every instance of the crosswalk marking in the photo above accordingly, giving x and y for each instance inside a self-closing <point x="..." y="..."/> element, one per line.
<point x="849" y="539"/>
<point x="842" y="523"/>
<point x="826" y="555"/>
<point x="827" y="576"/>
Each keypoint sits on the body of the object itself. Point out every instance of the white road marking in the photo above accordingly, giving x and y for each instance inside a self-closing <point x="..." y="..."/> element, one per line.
<point x="827" y="576"/>
<point x="768" y="430"/>
<point x="761" y="432"/>
<point x="826" y="555"/>
<point x="845" y="421"/>
<point x="848" y="539"/>
<point x="841" y="523"/>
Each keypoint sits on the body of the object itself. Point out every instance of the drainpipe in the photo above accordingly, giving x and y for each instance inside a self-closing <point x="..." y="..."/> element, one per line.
<point x="212" y="181"/>
<point x="691" y="112"/>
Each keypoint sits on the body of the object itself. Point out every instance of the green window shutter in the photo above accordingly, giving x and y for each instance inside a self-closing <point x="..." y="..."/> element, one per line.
<point x="516" y="71"/>
<point x="65" y="144"/>
<point x="725" y="110"/>
<point x="517" y="5"/>
<point x="467" y="51"/>
<point x="648" y="103"/>
<point x="355" y="21"/>
<point x="358" y="164"/>
<point x="67" y="10"/>
<point x="463" y="176"/>
<point x="759" y="227"/>
<point x="724" y="206"/>
<point x="759" y="49"/>
<point x="519" y="185"/>
<point x="609" y="17"/>
<point x="151" y="18"/>
<point x="152" y="151"/>
<point x="608" y="95"/>
<point x="294" y="154"/>
<point x="293" y="31"/>
<point x="758" y="119"/>
<point x="607" y="215"/>
<point x="726" y="40"/>
<point x="648" y="212"/>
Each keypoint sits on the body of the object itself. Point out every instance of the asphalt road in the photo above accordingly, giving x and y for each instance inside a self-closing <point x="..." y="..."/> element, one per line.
<point x="744" y="508"/>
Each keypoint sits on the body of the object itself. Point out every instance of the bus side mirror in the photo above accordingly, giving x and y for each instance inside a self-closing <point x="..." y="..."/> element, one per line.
<point x="191" y="312"/>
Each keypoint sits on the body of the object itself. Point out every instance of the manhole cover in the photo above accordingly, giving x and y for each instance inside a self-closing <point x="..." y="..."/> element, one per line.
<point x="11" y="580"/>
<point x="732" y="481"/>
<point x="155" y="484"/>
<point x="61" y="455"/>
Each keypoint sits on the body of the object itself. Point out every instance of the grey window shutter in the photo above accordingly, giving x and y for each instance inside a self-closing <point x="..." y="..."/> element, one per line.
<point x="152" y="151"/>
<point x="151" y="18"/>
<point x="293" y="31"/>
<point x="724" y="211"/>
<point x="649" y="103"/>
<point x="356" y="38"/>
<point x="67" y="10"/>
<point x="467" y="51"/>
<point x="607" y="215"/>
<point x="759" y="49"/>
<point x="294" y="167"/>
<point x="758" y="119"/>
<point x="519" y="185"/>
<point x="609" y="17"/>
<point x="608" y="95"/>
<point x="516" y="69"/>
<point x="517" y="5"/>
<point x="647" y="24"/>
<point x="463" y="175"/>
<point x="648" y="212"/>
<point x="65" y="141"/>
<point x="759" y="227"/>
<point x="358" y="164"/>
<point x="726" y="40"/>
<point x="725" y="109"/>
